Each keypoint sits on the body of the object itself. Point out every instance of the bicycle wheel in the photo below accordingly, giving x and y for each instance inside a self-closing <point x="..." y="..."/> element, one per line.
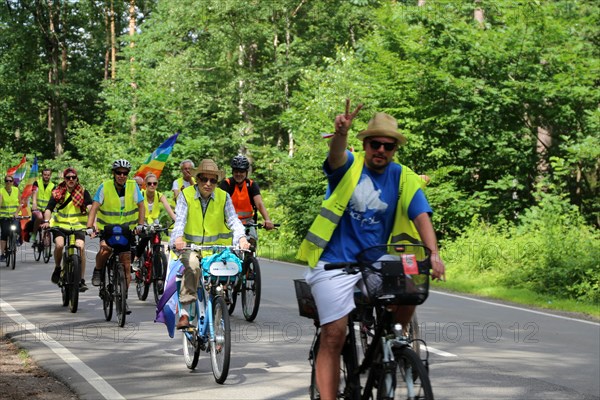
<point x="120" y="293"/>
<point x="231" y="294"/>
<point x="142" y="285"/>
<point x="191" y="343"/>
<point x="74" y="279"/>
<point x="159" y="265"/>
<point x="47" y="246"/>
<point x="411" y="380"/>
<point x="37" y="247"/>
<point x="11" y="256"/>
<point x="107" y="289"/>
<point x="64" y="284"/>
<point x="220" y="348"/>
<point x="251" y="289"/>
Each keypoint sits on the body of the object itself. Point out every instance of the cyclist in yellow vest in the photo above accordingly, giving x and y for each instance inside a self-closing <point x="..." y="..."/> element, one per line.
<point x="205" y="216"/>
<point x="363" y="207"/>
<point x="117" y="201"/>
<point x="186" y="179"/>
<point x="42" y="193"/>
<point x="9" y="210"/>
<point x="68" y="209"/>
<point x="153" y="199"/>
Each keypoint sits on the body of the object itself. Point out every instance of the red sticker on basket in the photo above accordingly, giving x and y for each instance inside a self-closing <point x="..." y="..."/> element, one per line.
<point x="409" y="261"/>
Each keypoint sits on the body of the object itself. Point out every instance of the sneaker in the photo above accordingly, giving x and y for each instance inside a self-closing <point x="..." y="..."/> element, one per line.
<point x="55" y="275"/>
<point x="136" y="265"/>
<point x="96" y="277"/>
<point x="127" y="310"/>
<point x="82" y="286"/>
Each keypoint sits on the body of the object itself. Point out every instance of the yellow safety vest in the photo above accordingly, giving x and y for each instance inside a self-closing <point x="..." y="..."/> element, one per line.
<point x="10" y="202"/>
<point x="206" y="228"/>
<point x="44" y="194"/>
<point x="111" y="213"/>
<point x="152" y="216"/>
<point x="69" y="217"/>
<point x="333" y="208"/>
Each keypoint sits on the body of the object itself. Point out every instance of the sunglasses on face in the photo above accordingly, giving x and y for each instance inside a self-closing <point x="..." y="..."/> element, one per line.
<point x="71" y="177"/>
<point x="8" y="180"/>
<point x="121" y="173"/>
<point x="204" y="179"/>
<point x="376" y="145"/>
<point x="151" y="183"/>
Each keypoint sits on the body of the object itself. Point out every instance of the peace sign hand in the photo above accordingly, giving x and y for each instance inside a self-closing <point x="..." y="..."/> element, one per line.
<point x="344" y="121"/>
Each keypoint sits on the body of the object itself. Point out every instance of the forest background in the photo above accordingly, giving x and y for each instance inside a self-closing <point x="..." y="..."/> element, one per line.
<point x="499" y="100"/>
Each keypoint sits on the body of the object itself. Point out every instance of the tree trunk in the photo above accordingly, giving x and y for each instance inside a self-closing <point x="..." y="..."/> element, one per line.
<point x="113" y="43"/>
<point x="478" y="13"/>
<point x="133" y="84"/>
<point x="55" y="106"/>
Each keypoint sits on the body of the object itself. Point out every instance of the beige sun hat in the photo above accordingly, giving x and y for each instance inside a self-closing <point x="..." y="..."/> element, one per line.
<point x="382" y="124"/>
<point x="208" y="166"/>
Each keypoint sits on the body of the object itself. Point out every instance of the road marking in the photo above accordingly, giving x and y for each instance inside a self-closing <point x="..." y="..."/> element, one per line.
<point x="516" y="308"/>
<point x="106" y="390"/>
<point x="440" y="352"/>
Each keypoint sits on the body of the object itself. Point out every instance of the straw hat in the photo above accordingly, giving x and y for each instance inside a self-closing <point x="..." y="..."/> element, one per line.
<point x="208" y="167"/>
<point x="385" y="125"/>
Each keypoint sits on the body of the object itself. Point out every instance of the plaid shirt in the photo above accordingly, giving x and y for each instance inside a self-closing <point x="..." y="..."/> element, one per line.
<point x="231" y="218"/>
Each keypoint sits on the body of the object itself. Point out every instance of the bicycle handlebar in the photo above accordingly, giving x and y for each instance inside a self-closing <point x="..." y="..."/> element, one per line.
<point x="256" y="225"/>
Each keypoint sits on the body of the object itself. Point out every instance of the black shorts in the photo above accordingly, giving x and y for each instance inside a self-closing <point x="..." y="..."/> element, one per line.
<point x="57" y="232"/>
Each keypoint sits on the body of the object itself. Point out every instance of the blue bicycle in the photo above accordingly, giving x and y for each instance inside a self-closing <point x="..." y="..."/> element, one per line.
<point x="209" y="328"/>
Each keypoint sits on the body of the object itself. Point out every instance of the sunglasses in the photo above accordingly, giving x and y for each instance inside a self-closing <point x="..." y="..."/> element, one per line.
<point x="151" y="183"/>
<point x="121" y="173"/>
<point x="8" y="180"/>
<point x="71" y="177"/>
<point x="376" y="145"/>
<point x="204" y="179"/>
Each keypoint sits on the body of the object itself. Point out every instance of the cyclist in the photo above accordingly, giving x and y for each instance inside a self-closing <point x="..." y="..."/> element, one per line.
<point x="245" y="195"/>
<point x="205" y="216"/>
<point x="185" y="180"/>
<point x="363" y="207"/>
<point x="68" y="207"/>
<point x="9" y="210"/>
<point x="41" y="196"/>
<point x="117" y="201"/>
<point x="152" y="205"/>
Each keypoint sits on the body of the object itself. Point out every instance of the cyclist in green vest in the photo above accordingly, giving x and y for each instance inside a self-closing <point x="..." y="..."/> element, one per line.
<point x="185" y="180"/>
<point x="68" y="209"/>
<point x="9" y="210"/>
<point x="205" y="216"/>
<point x="42" y="193"/>
<point x="118" y="201"/>
<point x="370" y="200"/>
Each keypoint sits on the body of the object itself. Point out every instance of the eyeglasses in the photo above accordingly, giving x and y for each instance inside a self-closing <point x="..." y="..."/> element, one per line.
<point x="8" y="180"/>
<point x="376" y="145"/>
<point x="204" y="179"/>
<point x="151" y="183"/>
<point x="71" y="177"/>
<point x="122" y="173"/>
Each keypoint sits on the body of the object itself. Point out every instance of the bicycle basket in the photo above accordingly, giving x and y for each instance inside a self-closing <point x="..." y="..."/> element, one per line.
<point x="398" y="278"/>
<point x="306" y="302"/>
<point x="222" y="267"/>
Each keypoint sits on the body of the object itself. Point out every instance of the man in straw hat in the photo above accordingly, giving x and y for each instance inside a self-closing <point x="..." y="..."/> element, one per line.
<point x="363" y="207"/>
<point x="205" y="216"/>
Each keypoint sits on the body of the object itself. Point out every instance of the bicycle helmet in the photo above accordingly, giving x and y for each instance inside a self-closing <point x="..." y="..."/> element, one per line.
<point x="121" y="163"/>
<point x="240" y="162"/>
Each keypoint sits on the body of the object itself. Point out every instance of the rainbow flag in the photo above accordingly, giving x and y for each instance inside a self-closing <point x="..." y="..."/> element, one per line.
<point x="156" y="161"/>
<point x="11" y="171"/>
<point x="20" y="174"/>
<point x="31" y="178"/>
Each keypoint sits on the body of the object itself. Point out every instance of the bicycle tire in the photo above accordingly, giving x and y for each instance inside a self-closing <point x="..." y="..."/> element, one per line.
<point x="142" y="285"/>
<point x="220" y="348"/>
<point x="232" y="294"/>
<point x="37" y="246"/>
<point x="11" y="254"/>
<point x="47" y="246"/>
<point x="107" y="289"/>
<point x="408" y="362"/>
<point x="120" y="293"/>
<point x="64" y="290"/>
<point x="159" y="270"/>
<point x="251" y="289"/>
<point x="191" y="343"/>
<point x="74" y="279"/>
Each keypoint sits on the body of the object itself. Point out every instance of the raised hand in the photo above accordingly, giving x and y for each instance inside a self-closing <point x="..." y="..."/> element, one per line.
<point x="344" y="121"/>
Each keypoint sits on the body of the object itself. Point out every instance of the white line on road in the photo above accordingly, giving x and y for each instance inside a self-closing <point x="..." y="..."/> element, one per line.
<point x="106" y="390"/>
<point x="440" y="352"/>
<point x="516" y="308"/>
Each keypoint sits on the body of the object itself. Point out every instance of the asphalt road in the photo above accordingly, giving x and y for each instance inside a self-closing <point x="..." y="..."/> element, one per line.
<point x="478" y="349"/>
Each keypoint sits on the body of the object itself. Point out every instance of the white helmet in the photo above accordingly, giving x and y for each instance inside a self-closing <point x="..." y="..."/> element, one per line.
<point x="121" y="163"/>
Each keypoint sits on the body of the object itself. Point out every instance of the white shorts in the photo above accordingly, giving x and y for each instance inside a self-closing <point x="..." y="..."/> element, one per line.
<point x="333" y="292"/>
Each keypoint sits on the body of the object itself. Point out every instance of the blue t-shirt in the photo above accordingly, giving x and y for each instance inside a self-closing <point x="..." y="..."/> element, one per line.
<point x="369" y="217"/>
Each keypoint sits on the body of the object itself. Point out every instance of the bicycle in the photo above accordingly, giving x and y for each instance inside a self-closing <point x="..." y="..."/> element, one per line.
<point x="250" y="283"/>
<point x="11" y="242"/>
<point x="46" y="245"/>
<point x="70" y="276"/>
<point x="113" y="284"/>
<point x="153" y="265"/>
<point x="393" y="370"/>
<point x="210" y="328"/>
<point x="39" y="245"/>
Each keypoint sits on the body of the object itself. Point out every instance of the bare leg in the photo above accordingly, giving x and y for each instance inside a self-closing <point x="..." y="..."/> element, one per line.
<point x="333" y="335"/>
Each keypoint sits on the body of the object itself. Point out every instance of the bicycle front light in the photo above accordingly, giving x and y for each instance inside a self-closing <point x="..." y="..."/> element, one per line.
<point x="13" y="227"/>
